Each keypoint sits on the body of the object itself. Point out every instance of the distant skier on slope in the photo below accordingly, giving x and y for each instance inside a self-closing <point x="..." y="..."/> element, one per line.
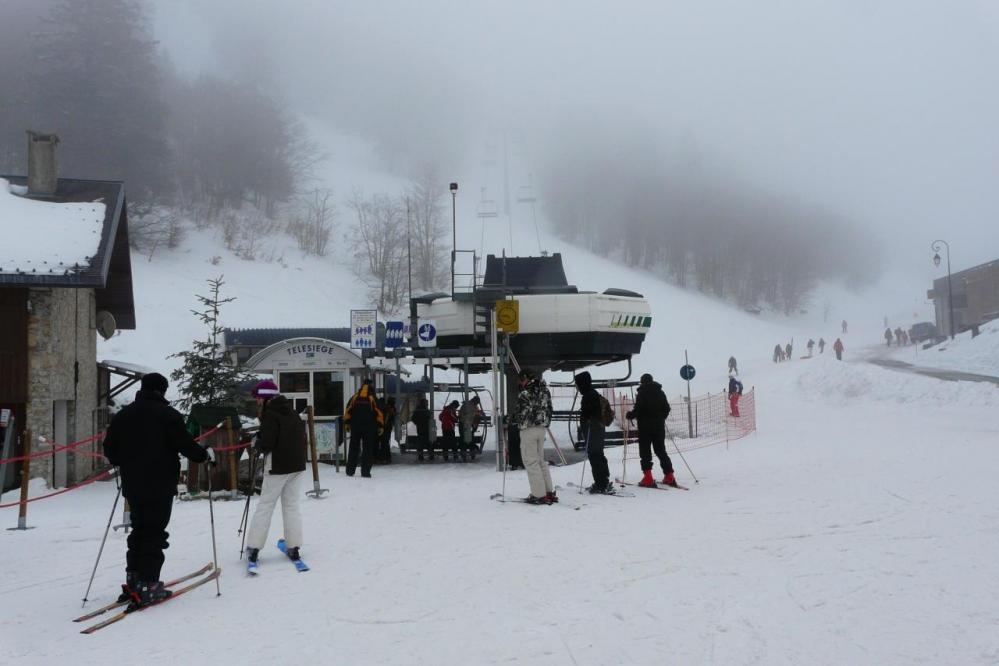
<point x="811" y="346"/>
<point x="281" y="440"/>
<point x="822" y="345"/>
<point x="778" y="353"/>
<point x="143" y="441"/>
<point x="787" y="351"/>
<point x="733" y="366"/>
<point x="651" y="411"/>
<point x="533" y="415"/>
<point x="844" y="327"/>
<point x="838" y="348"/>
<point x="734" y="393"/>
<point x="888" y="337"/>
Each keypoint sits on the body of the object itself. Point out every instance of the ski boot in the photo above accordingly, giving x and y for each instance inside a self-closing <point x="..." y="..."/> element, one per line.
<point x="531" y="499"/>
<point x="552" y="497"/>
<point x="128" y="592"/>
<point x="597" y="489"/>
<point x="150" y="592"/>
<point x="670" y="480"/>
<point x="647" y="480"/>
<point x="293" y="554"/>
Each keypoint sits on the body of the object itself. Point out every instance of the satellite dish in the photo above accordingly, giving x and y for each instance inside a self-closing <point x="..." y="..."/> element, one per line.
<point x="106" y="325"/>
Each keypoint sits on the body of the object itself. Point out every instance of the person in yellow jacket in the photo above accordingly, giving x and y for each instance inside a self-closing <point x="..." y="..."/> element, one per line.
<point x="364" y="422"/>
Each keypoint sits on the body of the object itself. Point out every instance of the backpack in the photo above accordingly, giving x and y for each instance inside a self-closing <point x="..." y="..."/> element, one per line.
<point x="606" y="412"/>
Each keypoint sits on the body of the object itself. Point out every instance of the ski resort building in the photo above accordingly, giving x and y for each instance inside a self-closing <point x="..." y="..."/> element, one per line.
<point x="975" y="293"/>
<point x="65" y="275"/>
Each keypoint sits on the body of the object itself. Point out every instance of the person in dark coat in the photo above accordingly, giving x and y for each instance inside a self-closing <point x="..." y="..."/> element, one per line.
<point x="281" y="439"/>
<point x="650" y="411"/>
<point x="733" y="366"/>
<point x="366" y="424"/>
<point x="449" y="421"/>
<point x="469" y="416"/>
<point x="143" y="441"/>
<point x="385" y="441"/>
<point x="822" y="345"/>
<point x="593" y="430"/>
<point x="421" y="419"/>
<point x="838" y="348"/>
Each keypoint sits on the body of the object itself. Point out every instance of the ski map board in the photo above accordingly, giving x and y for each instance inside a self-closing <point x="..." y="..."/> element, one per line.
<point x="170" y="583"/>
<point x="299" y="563"/>
<point x="616" y="493"/>
<point x="658" y="486"/>
<point x="176" y="593"/>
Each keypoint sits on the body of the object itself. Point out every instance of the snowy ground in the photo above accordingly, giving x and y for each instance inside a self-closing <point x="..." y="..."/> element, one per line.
<point x="858" y="526"/>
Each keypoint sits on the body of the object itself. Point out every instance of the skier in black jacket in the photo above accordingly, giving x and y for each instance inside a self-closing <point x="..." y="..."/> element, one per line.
<point x="592" y="425"/>
<point x="143" y="441"/>
<point x="282" y="442"/>
<point x="651" y="410"/>
<point x="421" y="419"/>
<point x="365" y="422"/>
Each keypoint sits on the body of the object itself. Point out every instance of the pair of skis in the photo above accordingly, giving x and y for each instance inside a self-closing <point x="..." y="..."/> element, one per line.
<point x="658" y="486"/>
<point x="252" y="568"/>
<point x="128" y="609"/>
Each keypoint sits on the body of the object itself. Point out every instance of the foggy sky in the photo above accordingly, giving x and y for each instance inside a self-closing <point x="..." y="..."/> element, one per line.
<point x="883" y="112"/>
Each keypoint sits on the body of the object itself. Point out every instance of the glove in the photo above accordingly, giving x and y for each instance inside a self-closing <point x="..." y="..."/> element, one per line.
<point x="630" y="416"/>
<point x="211" y="456"/>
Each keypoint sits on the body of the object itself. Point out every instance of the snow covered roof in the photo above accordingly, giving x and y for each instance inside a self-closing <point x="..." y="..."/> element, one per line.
<point x="77" y="237"/>
<point x="47" y="237"/>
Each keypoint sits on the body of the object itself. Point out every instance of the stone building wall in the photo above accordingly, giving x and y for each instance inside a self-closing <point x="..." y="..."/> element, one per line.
<point x="61" y="330"/>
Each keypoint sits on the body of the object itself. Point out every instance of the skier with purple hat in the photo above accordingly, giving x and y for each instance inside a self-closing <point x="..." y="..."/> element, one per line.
<point x="282" y="442"/>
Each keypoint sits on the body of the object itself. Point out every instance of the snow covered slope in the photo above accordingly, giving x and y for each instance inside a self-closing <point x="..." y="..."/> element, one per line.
<point x="964" y="353"/>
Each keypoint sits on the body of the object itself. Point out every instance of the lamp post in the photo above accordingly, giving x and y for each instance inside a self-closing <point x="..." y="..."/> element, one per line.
<point x="935" y="246"/>
<point x="454" y="233"/>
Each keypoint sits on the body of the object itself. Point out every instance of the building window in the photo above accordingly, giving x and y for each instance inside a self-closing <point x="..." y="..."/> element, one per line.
<point x="294" y="382"/>
<point x="328" y="394"/>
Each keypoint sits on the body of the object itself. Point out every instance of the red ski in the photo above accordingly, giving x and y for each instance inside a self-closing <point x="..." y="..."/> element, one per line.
<point x="658" y="486"/>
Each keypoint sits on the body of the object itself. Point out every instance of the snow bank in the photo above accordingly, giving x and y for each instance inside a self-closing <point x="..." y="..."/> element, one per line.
<point x="826" y="379"/>
<point x="964" y="353"/>
<point x="52" y="238"/>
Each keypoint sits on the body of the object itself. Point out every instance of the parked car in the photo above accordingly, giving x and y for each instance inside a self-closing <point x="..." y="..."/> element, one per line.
<point x="922" y="331"/>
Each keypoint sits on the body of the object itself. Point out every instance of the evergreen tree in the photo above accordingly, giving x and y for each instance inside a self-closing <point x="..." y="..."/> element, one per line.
<point x="206" y="377"/>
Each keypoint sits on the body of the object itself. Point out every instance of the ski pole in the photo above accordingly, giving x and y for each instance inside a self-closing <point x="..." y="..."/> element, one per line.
<point x="244" y="525"/>
<point x="504" y="437"/>
<point x="681" y="454"/>
<point x="103" y="541"/>
<point x="586" y="450"/>
<point x="211" y="511"/>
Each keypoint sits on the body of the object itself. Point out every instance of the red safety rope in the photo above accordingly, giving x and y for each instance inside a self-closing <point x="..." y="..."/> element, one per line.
<point x="103" y="475"/>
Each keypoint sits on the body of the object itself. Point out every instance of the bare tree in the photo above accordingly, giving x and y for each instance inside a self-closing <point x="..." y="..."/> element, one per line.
<point x="315" y="222"/>
<point x="380" y="247"/>
<point x="429" y="229"/>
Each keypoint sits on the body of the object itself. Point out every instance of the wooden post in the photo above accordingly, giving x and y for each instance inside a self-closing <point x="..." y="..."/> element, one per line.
<point x="22" y="510"/>
<point x="316" y="492"/>
<point x="233" y="460"/>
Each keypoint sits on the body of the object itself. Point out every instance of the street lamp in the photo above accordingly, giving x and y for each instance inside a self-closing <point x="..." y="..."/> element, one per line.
<point x="935" y="246"/>
<point x="454" y="233"/>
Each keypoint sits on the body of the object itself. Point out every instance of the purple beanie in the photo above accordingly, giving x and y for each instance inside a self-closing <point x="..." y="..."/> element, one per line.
<point x="265" y="389"/>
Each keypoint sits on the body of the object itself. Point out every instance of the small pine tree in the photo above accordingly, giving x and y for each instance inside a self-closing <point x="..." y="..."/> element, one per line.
<point x="206" y="377"/>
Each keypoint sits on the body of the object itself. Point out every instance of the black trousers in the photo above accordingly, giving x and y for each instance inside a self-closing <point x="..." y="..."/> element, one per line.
<point x="595" y="433"/>
<point x="650" y="441"/>
<point x="449" y="442"/>
<point x="384" y="444"/>
<point x="363" y="441"/>
<point x="513" y="444"/>
<point x="148" y="539"/>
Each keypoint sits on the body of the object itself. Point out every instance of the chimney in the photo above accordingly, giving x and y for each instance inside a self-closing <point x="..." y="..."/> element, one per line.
<point x="43" y="178"/>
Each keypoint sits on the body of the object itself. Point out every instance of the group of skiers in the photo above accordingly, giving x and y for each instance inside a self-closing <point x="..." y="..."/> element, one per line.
<point x="784" y="353"/>
<point x="900" y="337"/>
<point x="459" y="421"/>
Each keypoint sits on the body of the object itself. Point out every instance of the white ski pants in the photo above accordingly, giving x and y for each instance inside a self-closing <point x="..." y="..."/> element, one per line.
<point x="532" y="450"/>
<point x="287" y="488"/>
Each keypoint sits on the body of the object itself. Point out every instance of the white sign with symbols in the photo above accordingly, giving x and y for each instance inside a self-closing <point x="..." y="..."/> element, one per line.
<point x="363" y="326"/>
<point x="426" y="331"/>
